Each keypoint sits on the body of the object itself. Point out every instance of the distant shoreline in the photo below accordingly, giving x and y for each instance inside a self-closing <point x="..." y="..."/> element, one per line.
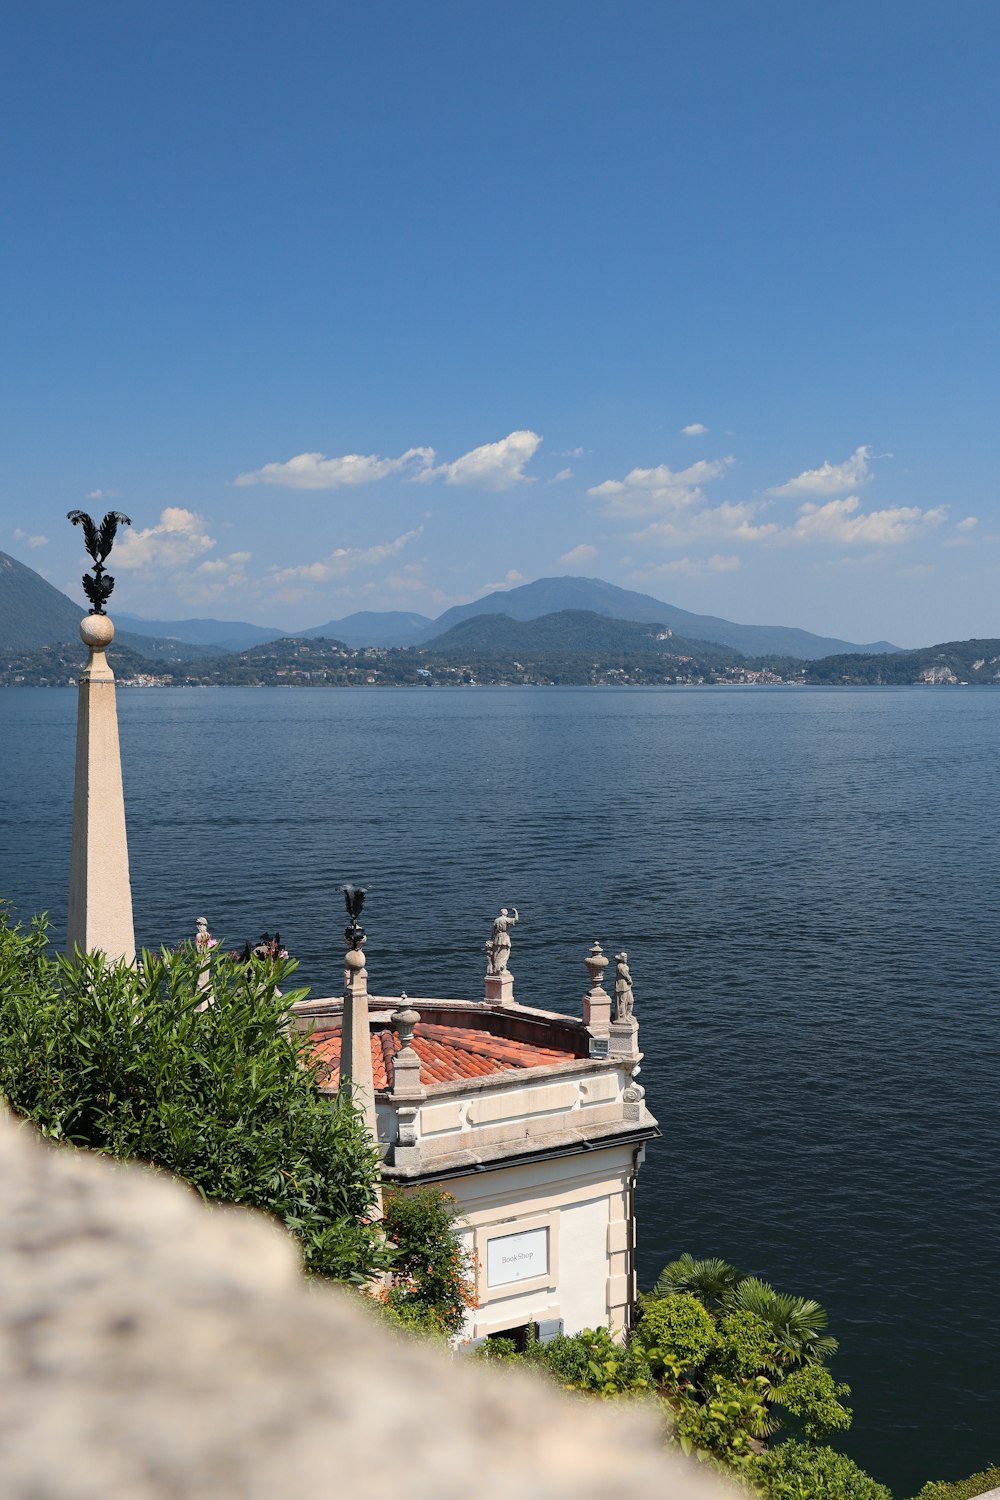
<point x="411" y="687"/>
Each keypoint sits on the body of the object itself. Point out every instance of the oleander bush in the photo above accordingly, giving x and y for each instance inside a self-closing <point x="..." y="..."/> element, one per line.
<point x="432" y="1282"/>
<point x="132" y="1063"/>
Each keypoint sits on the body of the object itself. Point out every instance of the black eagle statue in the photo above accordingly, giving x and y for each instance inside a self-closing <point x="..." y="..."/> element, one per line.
<point x="98" y="541"/>
<point x="354" y="900"/>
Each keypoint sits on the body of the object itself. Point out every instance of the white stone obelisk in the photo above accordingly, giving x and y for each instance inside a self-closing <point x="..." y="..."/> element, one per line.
<point x="100" y="893"/>
<point x="356" y="1046"/>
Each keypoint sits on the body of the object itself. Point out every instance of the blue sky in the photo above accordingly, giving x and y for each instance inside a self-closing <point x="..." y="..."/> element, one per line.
<point x="376" y="306"/>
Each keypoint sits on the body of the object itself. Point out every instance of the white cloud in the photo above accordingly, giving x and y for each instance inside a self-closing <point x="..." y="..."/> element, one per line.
<point x="235" y="562"/>
<point x="102" y="494"/>
<point x="509" y="580"/>
<point x="835" y="523"/>
<point x="842" y="521"/>
<point x="314" y="471"/>
<point x="409" y="585"/>
<point x="494" y="466"/>
<point x="32" y="541"/>
<point x="965" y="533"/>
<point x="178" y="537"/>
<point x="647" y="492"/>
<point x="576" y="556"/>
<point x="694" y="429"/>
<point x="571" y="453"/>
<point x="213" y="578"/>
<point x="730" y="521"/>
<point x="830" y="479"/>
<point x="563" y="474"/>
<point x="696" y="567"/>
<point x="342" y="561"/>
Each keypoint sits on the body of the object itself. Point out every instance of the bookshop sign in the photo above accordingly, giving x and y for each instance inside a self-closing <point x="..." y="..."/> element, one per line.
<point x="517" y="1257"/>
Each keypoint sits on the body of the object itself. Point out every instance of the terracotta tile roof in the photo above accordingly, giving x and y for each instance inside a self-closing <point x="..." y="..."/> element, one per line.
<point x="447" y="1053"/>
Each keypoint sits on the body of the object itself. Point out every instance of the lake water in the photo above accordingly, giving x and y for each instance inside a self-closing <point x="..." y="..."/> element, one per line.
<point x="807" y="884"/>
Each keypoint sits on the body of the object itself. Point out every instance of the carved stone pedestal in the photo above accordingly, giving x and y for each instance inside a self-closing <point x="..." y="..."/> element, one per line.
<point x="624" y="1037"/>
<point x="500" y="988"/>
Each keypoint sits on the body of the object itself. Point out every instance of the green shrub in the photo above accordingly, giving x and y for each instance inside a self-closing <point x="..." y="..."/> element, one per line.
<point x="721" y="1420"/>
<point x="729" y="1351"/>
<point x="795" y="1471"/>
<point x="432" y="1281"/>
<point x="797" y="1324"/>
<point x="745" y="1346"/>
<point x="676" y="1332"/>
<point x="811" y="1395"/>
<point x="120" y="1060"/>
<point x="962" y="1489"/>
<point x="591" y="1361"/>
<point x="497" y="1351"/>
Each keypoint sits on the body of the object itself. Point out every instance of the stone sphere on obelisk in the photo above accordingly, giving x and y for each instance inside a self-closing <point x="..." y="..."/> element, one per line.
<point x="99" y="917"/>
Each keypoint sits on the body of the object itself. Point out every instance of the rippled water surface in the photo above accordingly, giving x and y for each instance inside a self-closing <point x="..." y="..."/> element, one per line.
<point x="806" y="882"/>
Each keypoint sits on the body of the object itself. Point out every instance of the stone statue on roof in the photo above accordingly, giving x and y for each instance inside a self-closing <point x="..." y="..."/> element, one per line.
<point x="498" y="943"/>
<point x="624" y="999"/>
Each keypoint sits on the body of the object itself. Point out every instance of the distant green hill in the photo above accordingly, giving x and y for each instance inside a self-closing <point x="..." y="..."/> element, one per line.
<point x="973" y="662"/>
<point x="32" y="612"/>
<point x="58" y="665"/>
<point x="569" y="632"/>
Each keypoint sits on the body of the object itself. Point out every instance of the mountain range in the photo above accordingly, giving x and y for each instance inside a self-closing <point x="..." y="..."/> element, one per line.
<point x="34" y="613"/>
<point x="550" y="595"/>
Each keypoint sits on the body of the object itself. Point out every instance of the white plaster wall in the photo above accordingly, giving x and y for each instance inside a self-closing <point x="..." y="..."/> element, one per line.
<point x="583" y="1264"/>
<point x="584" y="1199"/>
<point x="519" y="1111"/>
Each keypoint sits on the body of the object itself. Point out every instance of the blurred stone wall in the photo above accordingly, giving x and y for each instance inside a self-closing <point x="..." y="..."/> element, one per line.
<point x="151" y="1346"/>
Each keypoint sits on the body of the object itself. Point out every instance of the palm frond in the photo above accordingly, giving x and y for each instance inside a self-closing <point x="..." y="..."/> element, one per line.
<point x="798" y="1323"/>
<point x="108" y="531"/>
<point x="710" y="1280"/>
<point x="80" y="518"/>
<point x="354" y="900"/>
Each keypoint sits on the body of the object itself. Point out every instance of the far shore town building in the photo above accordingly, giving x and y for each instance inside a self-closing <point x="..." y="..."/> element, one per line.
<point x="533" y="1120"/>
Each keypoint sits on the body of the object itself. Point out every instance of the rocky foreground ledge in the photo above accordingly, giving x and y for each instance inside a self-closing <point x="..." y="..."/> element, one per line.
<point x="151" y="1346"/>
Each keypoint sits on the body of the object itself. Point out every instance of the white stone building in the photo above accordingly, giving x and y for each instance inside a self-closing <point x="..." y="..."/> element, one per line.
<point x="533" y="1120"/>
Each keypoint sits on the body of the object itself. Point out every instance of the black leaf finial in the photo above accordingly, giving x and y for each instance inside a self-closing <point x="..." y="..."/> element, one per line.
<point x="98" y="541"/>
<point x="354" y="900"/>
